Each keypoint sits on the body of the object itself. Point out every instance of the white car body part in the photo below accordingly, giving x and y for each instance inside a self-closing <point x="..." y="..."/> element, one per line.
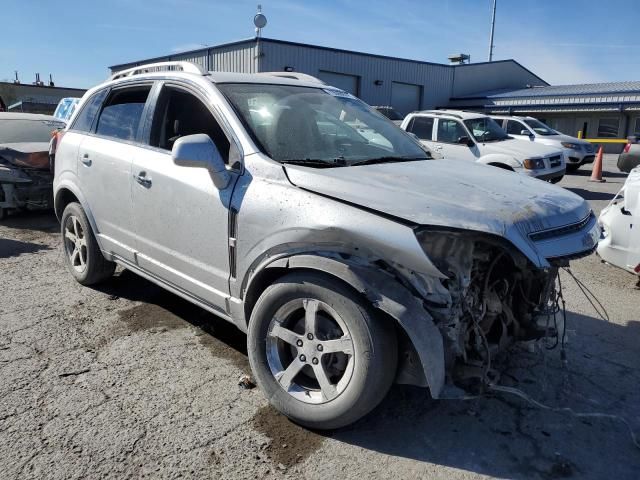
<point x="620" y="223"/>
<point x="433" y="128"/>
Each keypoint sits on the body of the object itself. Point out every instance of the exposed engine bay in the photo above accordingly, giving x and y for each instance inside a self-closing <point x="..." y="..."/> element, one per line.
<point x="25" y="177"/>
<point x="492" y="297"/>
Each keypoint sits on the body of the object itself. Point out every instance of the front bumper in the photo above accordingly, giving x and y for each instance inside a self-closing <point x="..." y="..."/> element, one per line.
<point x="546" y="174"/>
<point x="568" y="242"/>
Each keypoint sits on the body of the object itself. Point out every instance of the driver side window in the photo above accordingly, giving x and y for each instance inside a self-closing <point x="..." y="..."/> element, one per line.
<point x="449" y="131"/>
<point x="178" y="114"/>
<point x="515" y="128"/>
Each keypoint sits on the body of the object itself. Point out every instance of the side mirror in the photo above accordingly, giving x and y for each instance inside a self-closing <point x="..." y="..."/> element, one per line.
<point x="527" y="133"/>
<point x="199" y="151"/>
<point x="632" y="139"/>
<point x="466" y="141"/>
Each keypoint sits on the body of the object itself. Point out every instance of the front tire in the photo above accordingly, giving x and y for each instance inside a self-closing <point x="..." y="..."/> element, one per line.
<point x="573" y="167"/>
<point x="318" y="351"/>
<point x="82" y="254"/>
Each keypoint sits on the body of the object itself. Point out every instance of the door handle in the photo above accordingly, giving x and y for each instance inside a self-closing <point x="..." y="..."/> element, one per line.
<point x="143" y="180"/>
<point x="86" y="160"/>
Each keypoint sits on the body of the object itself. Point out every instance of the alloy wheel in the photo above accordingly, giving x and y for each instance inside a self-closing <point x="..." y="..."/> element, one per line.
<point x="310" y="351"/>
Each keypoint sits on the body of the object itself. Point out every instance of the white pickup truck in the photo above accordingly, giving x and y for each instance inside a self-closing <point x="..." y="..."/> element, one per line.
<point x="474" y="136"/>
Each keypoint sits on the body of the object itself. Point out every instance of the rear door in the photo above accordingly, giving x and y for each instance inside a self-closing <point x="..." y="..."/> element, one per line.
<point x="422" y="127"/>
<point x="104" y="170"/>
<point x="181" y="218"/>
<point x="448" y="134"/>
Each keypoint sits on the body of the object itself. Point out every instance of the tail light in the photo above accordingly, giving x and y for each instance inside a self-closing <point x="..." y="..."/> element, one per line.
<point x="637" y="269"/>
<point x="626" y="148"/>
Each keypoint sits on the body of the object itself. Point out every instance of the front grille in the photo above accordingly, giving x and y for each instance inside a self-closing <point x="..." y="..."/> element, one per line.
<point x="566" y="230"/>
<point x="555" y="161"/>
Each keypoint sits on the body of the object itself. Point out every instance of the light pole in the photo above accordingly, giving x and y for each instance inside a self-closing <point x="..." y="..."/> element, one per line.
<point x="493" y="24"/>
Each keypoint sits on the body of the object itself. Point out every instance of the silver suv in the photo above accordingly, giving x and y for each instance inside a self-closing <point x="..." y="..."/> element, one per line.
<point x="351" y="261"/>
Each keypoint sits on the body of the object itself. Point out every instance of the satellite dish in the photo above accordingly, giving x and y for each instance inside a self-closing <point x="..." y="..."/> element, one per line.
<point x="260" y="21"/>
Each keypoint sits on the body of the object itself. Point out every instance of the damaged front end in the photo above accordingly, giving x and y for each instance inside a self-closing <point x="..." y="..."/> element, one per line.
<point x="26" y="182"/>
<point x="491" y="296"/>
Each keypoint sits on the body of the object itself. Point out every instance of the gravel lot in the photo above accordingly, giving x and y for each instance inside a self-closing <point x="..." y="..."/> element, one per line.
<point x="129" y="381"/>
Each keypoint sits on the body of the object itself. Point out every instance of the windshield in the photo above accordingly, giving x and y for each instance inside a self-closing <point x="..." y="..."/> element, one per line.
<point x="317" y="127"/>
<point x="18" y="131"/>
<point x="539" y="127"/>
<point x="485" y="129"/>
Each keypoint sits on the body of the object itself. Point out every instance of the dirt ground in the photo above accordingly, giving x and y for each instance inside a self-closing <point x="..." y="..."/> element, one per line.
<point x="129" y="381"/>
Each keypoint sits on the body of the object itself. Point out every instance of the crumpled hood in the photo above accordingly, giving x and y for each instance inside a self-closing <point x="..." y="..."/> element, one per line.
<point x="519" y="149"/>
<point x="449" y="193"/>
<point x="26" y="154"/>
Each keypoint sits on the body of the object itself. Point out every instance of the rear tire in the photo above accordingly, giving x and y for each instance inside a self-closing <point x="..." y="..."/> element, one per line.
<point x="83" y="257"/>
<point x="304" y="366"/>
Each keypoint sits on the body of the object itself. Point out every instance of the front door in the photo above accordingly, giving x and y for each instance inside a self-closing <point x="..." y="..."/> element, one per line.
<point x="181" y="219"/>
<point x="449" y="135"/>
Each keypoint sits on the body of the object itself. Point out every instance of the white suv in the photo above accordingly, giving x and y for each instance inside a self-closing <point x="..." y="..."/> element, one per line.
<point x="577" y="152"/>
<point x="474" y="136"/>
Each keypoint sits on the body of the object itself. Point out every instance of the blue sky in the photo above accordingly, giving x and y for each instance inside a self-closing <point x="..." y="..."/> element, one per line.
<point x="563" y="41"/>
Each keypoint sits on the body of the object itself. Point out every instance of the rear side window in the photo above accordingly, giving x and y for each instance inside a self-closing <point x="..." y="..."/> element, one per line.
<point x="122" y="112"/>
<point x="85" y="119"/>
<point x="515" y="128"/>
<point x="449" y="131"/>
<point x="422" y="127"/>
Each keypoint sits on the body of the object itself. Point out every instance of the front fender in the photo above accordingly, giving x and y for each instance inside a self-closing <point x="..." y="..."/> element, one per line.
<point x="385" y="293"/>
<point x="500" y="158"/>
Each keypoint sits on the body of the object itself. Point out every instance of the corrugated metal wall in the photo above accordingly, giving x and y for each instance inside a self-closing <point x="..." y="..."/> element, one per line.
<point x="237" y="57"/>
<point x="438" y="82"/>
<point x="435" y="79"/>
<point x="482" y="77"/>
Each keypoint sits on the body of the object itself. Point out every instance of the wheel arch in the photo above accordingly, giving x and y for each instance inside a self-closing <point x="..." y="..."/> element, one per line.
<point x="421" y="348"/>
<point x="66" y="193"/>
<point x="500" y="161"/>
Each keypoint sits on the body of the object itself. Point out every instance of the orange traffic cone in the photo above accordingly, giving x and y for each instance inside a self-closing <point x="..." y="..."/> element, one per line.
<point x="596" y="173"/>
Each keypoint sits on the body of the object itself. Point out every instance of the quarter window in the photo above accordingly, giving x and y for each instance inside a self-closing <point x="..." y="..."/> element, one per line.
<point x="450" y="131"/>
<point x="515" y="128"/>
<point x="422" y="127"/>
<point x="608" y="127"/>
<point x="179" y="114"/>
<point x="121" y="114"/>
<point x="85" y="119"/>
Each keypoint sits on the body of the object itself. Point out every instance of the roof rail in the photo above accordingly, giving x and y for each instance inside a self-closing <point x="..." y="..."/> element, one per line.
<point x="295" y="76"/>
<point x="188" y="67"/>
<point x="446" y="113"/>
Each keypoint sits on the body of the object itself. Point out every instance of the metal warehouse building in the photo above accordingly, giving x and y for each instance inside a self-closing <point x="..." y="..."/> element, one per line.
<point x="604" y="111"/>
<point x="407" y="85"/>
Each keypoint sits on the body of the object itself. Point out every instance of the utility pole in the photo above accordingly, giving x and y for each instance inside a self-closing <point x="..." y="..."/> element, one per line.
<point x="493" y="24"/>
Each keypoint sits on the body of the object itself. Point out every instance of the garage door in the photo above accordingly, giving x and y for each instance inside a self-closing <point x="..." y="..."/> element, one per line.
<point x="348" y="83"/>
<point x="405" y="97"/>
